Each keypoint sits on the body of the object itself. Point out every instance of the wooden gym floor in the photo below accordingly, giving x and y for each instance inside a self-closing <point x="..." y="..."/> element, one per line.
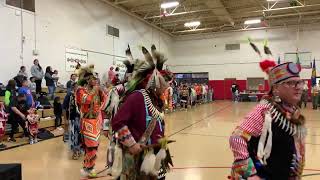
<point x="200" y="153"/>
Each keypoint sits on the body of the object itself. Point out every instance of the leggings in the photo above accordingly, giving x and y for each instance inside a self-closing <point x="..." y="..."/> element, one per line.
<point x="38" y="86"/>
<point x="15" y="124"/>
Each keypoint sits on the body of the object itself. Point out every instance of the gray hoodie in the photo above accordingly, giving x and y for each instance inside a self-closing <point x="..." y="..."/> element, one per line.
<point x="37" y="72"/>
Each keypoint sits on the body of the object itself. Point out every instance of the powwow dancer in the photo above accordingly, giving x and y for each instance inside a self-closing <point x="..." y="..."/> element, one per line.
<point x="90" y="98"/>
<point x="3" y="120"/>
<point x="32" y="124"/>
<point x="139" y="122"/>
<point x="269" y="143"/>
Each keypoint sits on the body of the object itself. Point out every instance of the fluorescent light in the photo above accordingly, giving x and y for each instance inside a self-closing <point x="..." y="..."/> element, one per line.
<point x="276" y="0"/>
<point x="192" y="24"/>
<point x="252" y="21"/>
<point x="167" y="5"/>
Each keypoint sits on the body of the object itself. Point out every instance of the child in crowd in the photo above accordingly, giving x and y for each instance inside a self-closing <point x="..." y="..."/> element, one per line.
<point x="32" y="125"/>
<point x="55" y="77"/>
<point x="33" y="87"/>
<point x="3" y="120"/>
<point x="57" y="107"/>
<point x="184" y="96"/>
<point x="24" y="89"/>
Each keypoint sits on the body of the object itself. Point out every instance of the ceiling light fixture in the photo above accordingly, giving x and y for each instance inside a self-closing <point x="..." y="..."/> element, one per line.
<point x="192" y="24"/>
<point x="171" y="4"/>
<point x="277" y="0"/>
<point x="252" y="21"/>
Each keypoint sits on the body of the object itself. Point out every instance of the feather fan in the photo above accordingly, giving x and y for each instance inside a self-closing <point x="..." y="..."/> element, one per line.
<point x="147" y="56"/>
<point x="159" y="57"/>
<point x="129" y="54"/>
<point x="255" y="48"/>
<point x="267" y="50"/>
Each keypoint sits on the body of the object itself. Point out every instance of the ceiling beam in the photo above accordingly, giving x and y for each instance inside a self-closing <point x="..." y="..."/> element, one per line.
<point x="121" y="2"/>
<point x="180" y="13"/>
<point x="277" y="23"/>
<point x="136" y="16"/>
<point x="239" y="18"/>
<point x="222" y="12"/>
<point x="242" y="30"/>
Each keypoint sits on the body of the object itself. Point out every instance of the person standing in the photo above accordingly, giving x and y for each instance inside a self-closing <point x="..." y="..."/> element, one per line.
<point x="90" y="98"/>
<point x="37" y="72"/>
<point x="57" y="109"/>
<point x="74" y="125"/>
<point x="72" y="80"/>
<point x="234" y="89"/>
<point x="10" y="92"/>
<point x="24" y="89"/>
<point x="18" y="111"/>
<point x="184" y="96"/>
<point x="270" y="142"/>
<point x="304" y="97"/>
<point x="50" y="82"/>
<point x="315" y="95"/>
<point x="33" y="87"/>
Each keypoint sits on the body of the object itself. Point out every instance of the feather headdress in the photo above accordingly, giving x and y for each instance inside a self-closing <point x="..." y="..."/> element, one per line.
<point x="149" y="73"/>
<point x="84" y="74"/>
<point x="276" y="72"/>
<point x="129" y="63"/>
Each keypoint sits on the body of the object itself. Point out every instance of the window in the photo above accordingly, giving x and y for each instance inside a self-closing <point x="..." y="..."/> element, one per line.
<point x="113" y="31"/>
<point x="28" y="5"/>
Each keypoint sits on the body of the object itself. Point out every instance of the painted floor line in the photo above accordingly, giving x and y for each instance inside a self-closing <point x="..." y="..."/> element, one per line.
<point x="225" y="167"/>
<point x="215" y="112"/>
<point x="211" y="135"/>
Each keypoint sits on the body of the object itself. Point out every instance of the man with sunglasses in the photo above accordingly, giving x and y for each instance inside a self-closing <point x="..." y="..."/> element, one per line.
<point x="269" y="143"/>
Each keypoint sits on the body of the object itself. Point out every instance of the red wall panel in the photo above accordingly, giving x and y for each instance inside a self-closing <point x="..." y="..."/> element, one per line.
<point x="218" y="88"/>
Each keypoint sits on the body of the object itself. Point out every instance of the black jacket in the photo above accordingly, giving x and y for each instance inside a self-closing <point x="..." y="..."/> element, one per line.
<point x="57" y="109"/>
<point x="49" y="79"/>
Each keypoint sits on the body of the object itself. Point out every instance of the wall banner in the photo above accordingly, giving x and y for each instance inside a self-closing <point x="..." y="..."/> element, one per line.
<point x="75" y="56"/>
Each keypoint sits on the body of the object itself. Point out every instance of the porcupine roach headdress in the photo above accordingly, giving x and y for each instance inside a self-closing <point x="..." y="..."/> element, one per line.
<point x="85" y="74"/>
<point x="149" y="74"/>
<point x="276" y="73"/>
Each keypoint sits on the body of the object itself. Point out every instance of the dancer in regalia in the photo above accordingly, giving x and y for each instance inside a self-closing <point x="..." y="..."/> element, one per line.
<point x="269" y="143"/>
<point x="90" y="98"/>
<point x="139" y="122"/>
<point x="32" y="124"/>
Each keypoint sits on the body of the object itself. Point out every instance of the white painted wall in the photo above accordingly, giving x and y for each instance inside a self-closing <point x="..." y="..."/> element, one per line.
<point x="70" y="23"/>
<point x="196" y="55"/>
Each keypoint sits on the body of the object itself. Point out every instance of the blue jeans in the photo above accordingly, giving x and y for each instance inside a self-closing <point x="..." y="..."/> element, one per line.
<point x="51" y="90"/>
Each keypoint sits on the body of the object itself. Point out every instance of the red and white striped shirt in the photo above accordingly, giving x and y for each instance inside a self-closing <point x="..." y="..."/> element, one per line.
<point x="251" y="126"/>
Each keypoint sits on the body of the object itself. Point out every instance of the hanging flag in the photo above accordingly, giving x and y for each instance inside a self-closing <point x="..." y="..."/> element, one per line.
<point x="279" y="60"/>
<point x="298" y="61"/>
<point x="314" y="74"/>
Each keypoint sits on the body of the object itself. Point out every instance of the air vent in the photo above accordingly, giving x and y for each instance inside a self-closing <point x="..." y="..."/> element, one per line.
<point x="231" y="47"/>
<point x="113" y="31"/>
